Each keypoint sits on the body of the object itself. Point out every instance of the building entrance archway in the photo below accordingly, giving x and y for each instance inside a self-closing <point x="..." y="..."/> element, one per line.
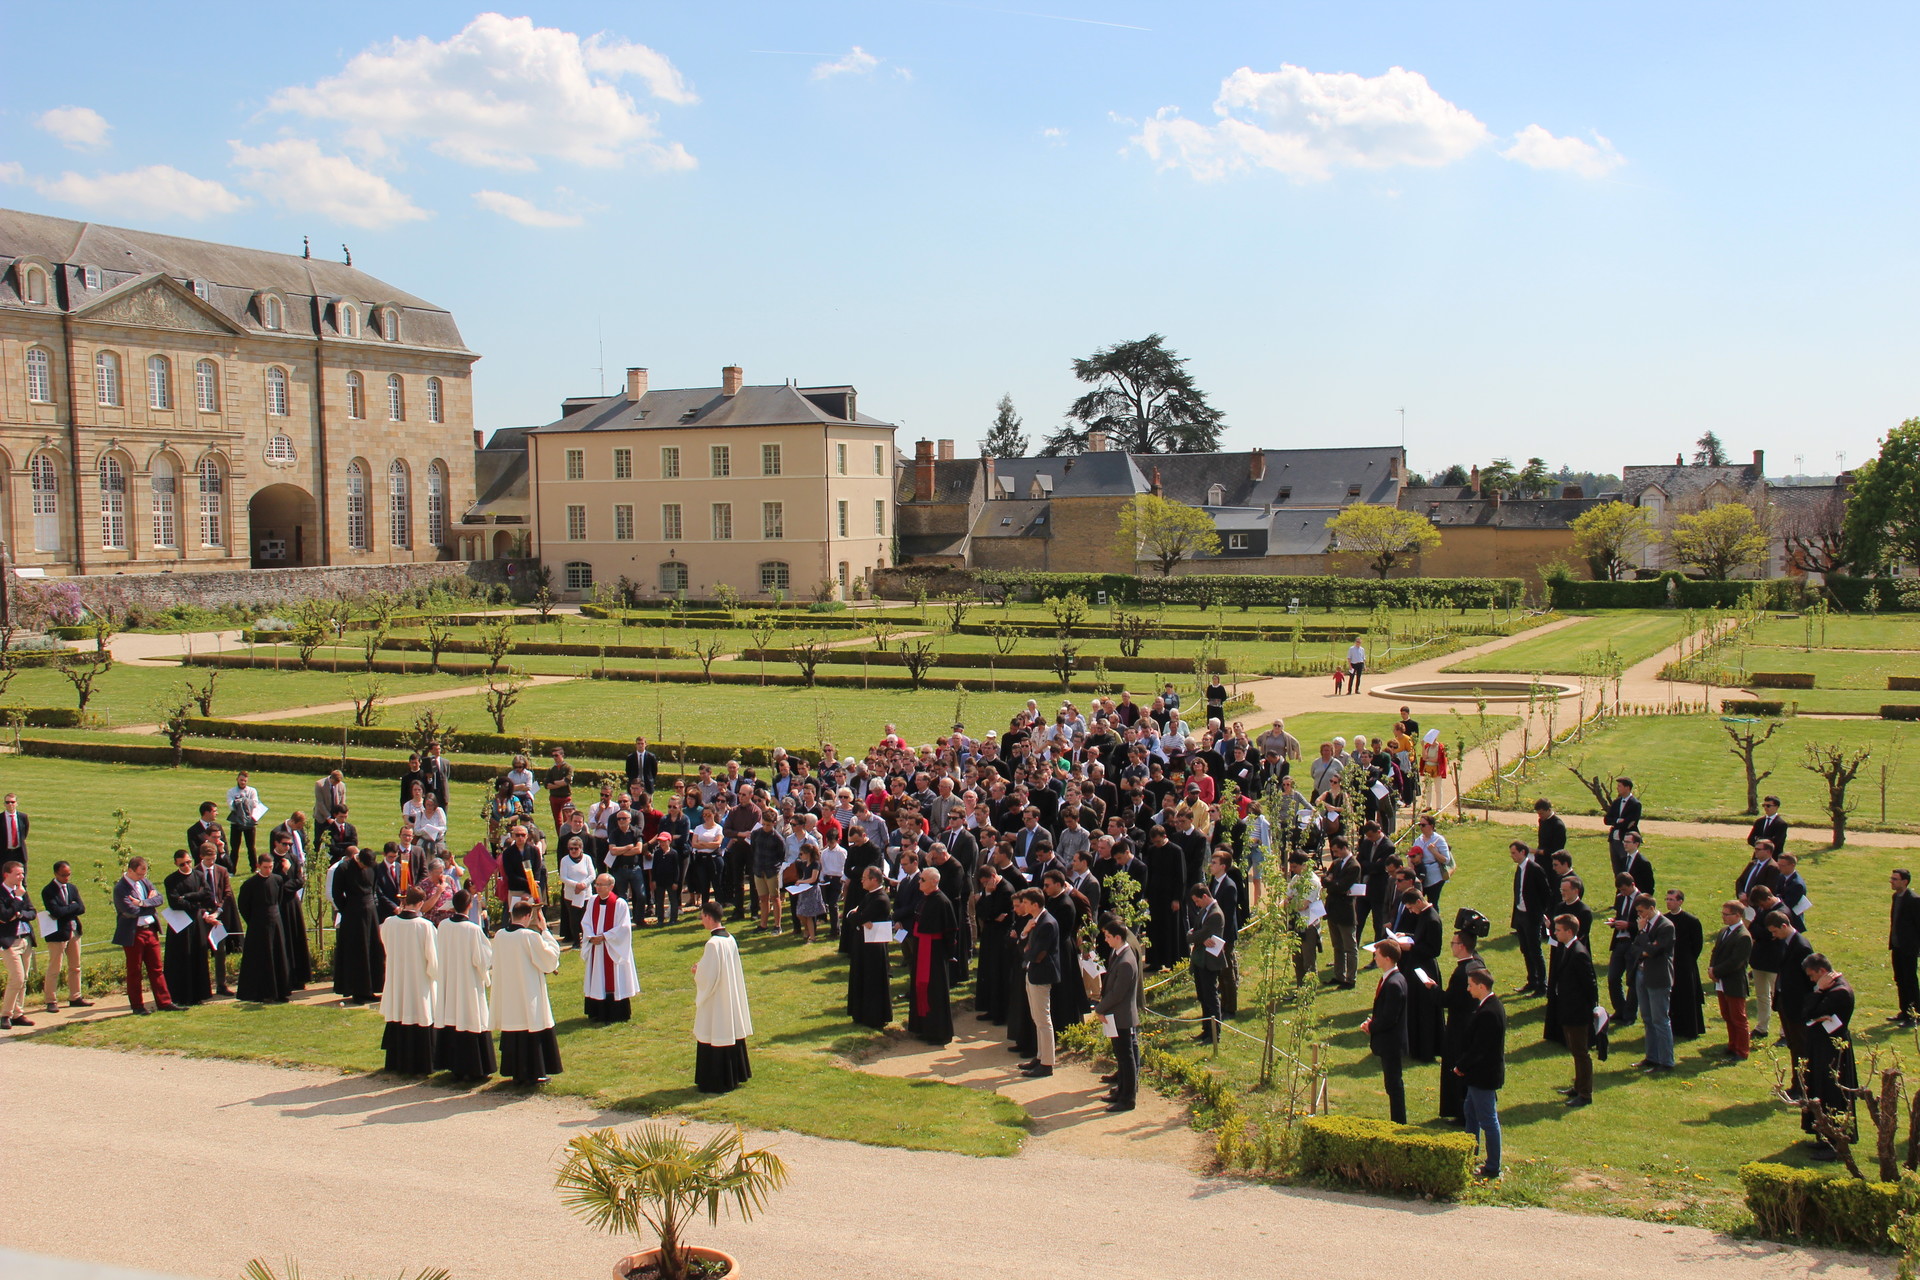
<point x="283" y="528"/>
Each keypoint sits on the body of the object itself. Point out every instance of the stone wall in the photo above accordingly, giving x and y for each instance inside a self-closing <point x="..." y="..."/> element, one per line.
<point x="267" y="587"/>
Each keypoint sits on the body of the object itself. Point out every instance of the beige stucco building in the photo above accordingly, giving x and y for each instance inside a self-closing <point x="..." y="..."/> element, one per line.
<point x="169" y="403"/>
<point x="765" y="488"/>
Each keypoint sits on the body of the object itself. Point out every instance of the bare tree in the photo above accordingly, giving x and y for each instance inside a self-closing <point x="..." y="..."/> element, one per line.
<point x="370" y="641"/>
<point x="428" y="729"/>
<point x="366" y="701"/>
<point x="917" y="657"/>
<point x="496" y="641"/>
<point x="1745" y="740"/>
<point x="957" y="607"/>
<point x="201" y="693"/>
<point x="1600" y="784"/>
<point x="1133" y="630"/>
<point x="808" y="654"/>
<point x="1064" y="657"/>
<point x="82" y="672"/>
<point x="544" y="601"/>
<point x="439" y="633"/>
<point x="1006" y="637"/>
<point x="1813" y="525"/>
<point x="708" y="646"/>
<point x="1836" y="765"/>
<point x="172" y="714"/>
<point x="501" y="695"/>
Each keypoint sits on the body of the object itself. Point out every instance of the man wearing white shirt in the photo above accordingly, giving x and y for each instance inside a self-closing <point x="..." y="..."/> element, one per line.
<point x="1435" y="863"/>
<point x="1356" y="665"/>
<point x="833" y="874"/>
<point x="243" y="804"/>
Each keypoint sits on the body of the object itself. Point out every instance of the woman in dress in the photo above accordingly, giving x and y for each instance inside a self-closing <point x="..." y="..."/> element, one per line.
<point x="808" y="905"/>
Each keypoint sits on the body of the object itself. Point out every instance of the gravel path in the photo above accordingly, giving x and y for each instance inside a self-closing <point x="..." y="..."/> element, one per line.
<point x="225" y="1161"/>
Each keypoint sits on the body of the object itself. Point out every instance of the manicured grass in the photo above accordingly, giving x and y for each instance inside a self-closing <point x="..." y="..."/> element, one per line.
<point x="1833" y="670"/>
<point x="1635" y="634"/>
<point x="1844" y="631"/>
<point x="126" y="694"/>
<point x="1663" y="1149"/>
<point x="801" y="1034"/>
<point x="1682" y="769"/>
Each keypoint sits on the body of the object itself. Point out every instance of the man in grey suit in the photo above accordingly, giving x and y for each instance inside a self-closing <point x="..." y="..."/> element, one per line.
<point x="1120" y="1000"/>
<point x="329" y="794"/>
<point x="1207" y="951"/>
<point x="1727" y="971"/>
<point x="1652" y="958"/>
<point x="1040" y="953"/>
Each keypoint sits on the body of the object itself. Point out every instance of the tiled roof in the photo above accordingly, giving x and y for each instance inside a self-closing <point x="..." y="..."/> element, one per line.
<point x="782" y="405"/>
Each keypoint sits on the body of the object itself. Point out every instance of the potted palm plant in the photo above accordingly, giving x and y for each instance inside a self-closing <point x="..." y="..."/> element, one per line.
<point x="654" y="1179"/>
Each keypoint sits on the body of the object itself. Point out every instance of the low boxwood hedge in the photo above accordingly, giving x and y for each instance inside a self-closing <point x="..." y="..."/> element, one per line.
<point x="1903" y="683"/>
<point x="1382" y="1156"/>
<point x="1813" y="1205"/>
<point x="1750" y="707"/>
<point x="1780" y="679"/>
<point x="830" y="681"/>
<point x="287" y="660"/>
<point x="1899" y="712"/>
<point x="559" y="648"/>
<point x="1245" y="591"/>
<point x="996" y="661"/>
<point x="505" y="743"/>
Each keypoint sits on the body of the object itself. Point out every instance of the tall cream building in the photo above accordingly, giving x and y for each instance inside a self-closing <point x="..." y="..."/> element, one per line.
<point x="172" y="404"/>
<point x="766" y="489"/>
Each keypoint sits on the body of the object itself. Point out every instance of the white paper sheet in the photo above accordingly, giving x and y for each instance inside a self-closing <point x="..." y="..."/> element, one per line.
<point x="1216" y="945"/>
<point x="1804" y="905"/>
<point x="899" y="935"/>
<point x="1380" y="791"/>
<point x="1316" y="911"/>
<point x="881" y="932"/>
<point x="259" y="811"/>
<point x="1107" y="1025"/>
<point x="216" y="935"/>
<point x="1093" y="968"/>
<point x="797" y="889"/>
<point x="1358" y="890"/>
<point x="176" y="920"/>
<point x="1831" y="1024"/>
<point x="1600" y="1019"/>
<point x="47" y="925"/>
<point x="1426" y="978"/>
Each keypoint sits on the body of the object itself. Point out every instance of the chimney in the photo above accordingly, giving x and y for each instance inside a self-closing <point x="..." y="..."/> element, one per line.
<point x="636" y="384"/>
<point x="1156" y="486"/>
<point x="943" y="449"/>
<point x="1096" y="442"/>
<point x="479" y="439"/>
<point x="1760" y="462"/>
<point x="1393" y="466"/>
<point x="1257" y="465"/>
<point x="1679" y="459"/>
<point x="1572" y="491"/>
<point x="993" y="484"/>
<point x="730" y="379"/>
<point x="1473" y="481"/>
<point x="922" y="470"/>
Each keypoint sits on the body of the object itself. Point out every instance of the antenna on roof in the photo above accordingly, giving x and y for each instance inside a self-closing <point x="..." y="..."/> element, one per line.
<point x="349" y="253"/>
<point x="1403" y="427"/>
<point x="306" y="247"/>
<point x="600" y="335"/>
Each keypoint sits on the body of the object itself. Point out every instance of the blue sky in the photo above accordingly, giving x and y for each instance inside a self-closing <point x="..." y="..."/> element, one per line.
<point x="1589" y="232"/>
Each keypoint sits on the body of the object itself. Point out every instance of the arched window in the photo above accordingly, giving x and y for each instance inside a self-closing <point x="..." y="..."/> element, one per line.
<point x="673" y="577"/>
<point x="45" y="478"/>
<point x="106" y="378"/>
<point x="399" y="504"/>
<point x="356" y="396"/>
<point x="1216" y="495"/>
<point x="579" y="576"/>
<point x="166" y="502"/>
<point x="113" y="504"/>
<point x="356" y="507"/>
<point x="774" y="575"/>
<point x="280" y="450"/>
<point x="436" y="505"/>
<point x="346" y="319"/>
<point x="39" y="375"/>
<point x="34" y="287"/>
<point x="396" y="399"/>
<point x="390" y="325"/>
<point x="436" y="407"/>
<point x="206" y="386"/>
<point x="159" y="383"/>
<point x="272" y="314"/>
<point x="277" y="392"/>
<point x="212" y="504"/>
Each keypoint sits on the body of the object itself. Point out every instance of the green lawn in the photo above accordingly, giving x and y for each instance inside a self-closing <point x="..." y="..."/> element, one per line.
<point x="1635" y="634"/>
<point x="1661" y="1149"/>
<point x="127" y="694"/>
<point x="1682" y="769"/>
<point x="801" y="1034"/>
<point x="1843" y="631"/>
<point x="1836" y="669"/>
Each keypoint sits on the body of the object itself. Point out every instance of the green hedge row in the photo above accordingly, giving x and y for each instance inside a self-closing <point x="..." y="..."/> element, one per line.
<point x="57" y="718"/>
<point x="1808" y="1204"/>
<point x="233" y="760"/>
<point x="505" y="743"/>
<point x="1903" y="683"/>
<point x="785" y="620"/>
<point x="1676" y="589"/>
<point x="830" y="681"/>
<point x="1751" y="707"/>
<point x="1781" y="679"/>
<point x="559" y="648"/>
<point x="1383" y="1156"/>
<point x="286" y="660"/>
<point x="1274" y="591"/>
<point x="1896" y="712"/>
<point x="997" y="661"/>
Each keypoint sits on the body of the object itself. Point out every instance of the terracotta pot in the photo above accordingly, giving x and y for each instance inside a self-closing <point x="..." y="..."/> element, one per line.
<point x="631" y="1261"/>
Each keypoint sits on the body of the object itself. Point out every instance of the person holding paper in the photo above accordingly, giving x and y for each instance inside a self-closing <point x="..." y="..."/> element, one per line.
<point x="1689" y="1012"/>
<point x="1727" y="971"/>
<point x="1792" y="988"/>
<point x="292" y="874"/>
<point x="1220" y="884"/>
<point x="61" y="898"/>
<point x="524" y="953"/>
<point x="1792" y="890"/>
<point x="359" y="965"/>
<point x="1346" y="904"/>
<point x="190" y="914"/>
<point x="16" y="944"/>
<point x="1386" y="1026"/>
<point x="606" y="954"/>
<point x="1483" y="1068"/>
<point x="1827" y="1020"/>
<point x="1903" y="945"/>
<point x="1303" y="898"/>
<point x="576" y="885"/>
<point x="1653" y="949"/>
<point x="225" y="924"/>
<point x="1572" y="994"/>
<point x="1459" y="1008"/>
<point x="244" y="812"/>
<point x="1532" y="903"/>
<point x="1207" y="946"/>
<point x="929" y="952"/>
<point x="1120" y="1008"/>
<point x="1042" y="961"/>
<point x="462" y="1041"/>
<point x="721" y="1020"/>
<point x="1420" y="962"/>
<point x="136" y="909"/>
<point x="1430" y="858"/>
<point x="870" y="921"/>
<point x="264" y="964"/>
<point x="809" y="905"/>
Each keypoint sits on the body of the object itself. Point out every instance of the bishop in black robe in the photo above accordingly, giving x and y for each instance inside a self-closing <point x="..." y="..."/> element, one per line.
<point x="930" y="944"/>
<point x="263" y="956"/>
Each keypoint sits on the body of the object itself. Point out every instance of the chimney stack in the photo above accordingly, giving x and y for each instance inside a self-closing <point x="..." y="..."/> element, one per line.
<point x="1096" y="442"/>
<point x="944" y="450"/>
<point x="730" y="379"/>
<point x="923" y="471"/>
<point x="1473" y="481"/>
<point x="636" y="384"/>
<point x="1257" y="465"/>
<point x="479" y="439"/>
<point x="1760" y="461"/>
<point x="1157" y="487"/>
<point x="1572" y="491"/>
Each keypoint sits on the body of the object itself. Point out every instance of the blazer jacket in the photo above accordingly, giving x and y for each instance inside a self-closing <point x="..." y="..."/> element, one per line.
<point x="1653" y="952"/>
<point x="1120" y="989"/>
<point x="1387" y="1033"/>
<point x="1041" y="951"/>
<point x="1483" y="1060"/>
<point x="63" y="903"/>
<point x="1727" y="960"/>
<point x="1774" y="829"/>
<point x="127" y="909"/>
<point x="1903" y="935"/>
<point x="1212" y="924"/>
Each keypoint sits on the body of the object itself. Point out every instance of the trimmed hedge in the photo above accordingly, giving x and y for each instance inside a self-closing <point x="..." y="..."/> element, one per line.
<point x="1751" y="707"/>
<point x="233" y="760"/>
<point x="1694" y="593"/>
<point x="1808" y="1204"/>
<point x="1781" y="679"/>
<point x="997" y="661"/>
<point x="559" y="648"/>
<point x="1245" y="591"/>
<point x="834" y="681"/>
<point x="339" y="666"/>
<point x="506" y="743"/>
<point x="1903" y="683"/>
<point x="58" y="718"/>
<point x="1382" y="1156"/>
<point x="1896" y="712"/>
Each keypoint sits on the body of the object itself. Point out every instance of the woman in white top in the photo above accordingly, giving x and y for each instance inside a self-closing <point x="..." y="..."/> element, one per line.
<point x="577" y="871"/>
<point x="704" y="843"/>
<point x="520" y="777"/>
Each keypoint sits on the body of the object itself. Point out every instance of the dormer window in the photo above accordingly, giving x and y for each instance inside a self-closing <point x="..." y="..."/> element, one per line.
<point x="346" y="319"/>
<point x="33" y="286"/>
<point x="390" y="324"/>
<point x="1353" y="491"/>
<point x="272" y="312"/>
<point x="1286" y="491"/>
<point x="90" y="278"/>
<point x="202" y="290"/>
<point x="1216" y="495"/>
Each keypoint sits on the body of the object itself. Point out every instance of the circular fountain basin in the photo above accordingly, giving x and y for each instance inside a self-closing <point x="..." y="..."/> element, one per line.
<point x="1473" y="689"/>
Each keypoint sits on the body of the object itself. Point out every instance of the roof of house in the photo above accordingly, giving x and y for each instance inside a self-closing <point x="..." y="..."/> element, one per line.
<point x="1449" y="511"/>
<point x="1681" y="482"/>
<point x="1081" y="475"/>
<point x="954" y="479"/>
<point x="1013" y="518"/>
<point x="782" y="405"/>
<point x="916" y="545"/>
<point x="1300" y="532"/>
<point x="232" y="276"/>
<point x="1314" y="477"/>
<point x="500" y="475"/>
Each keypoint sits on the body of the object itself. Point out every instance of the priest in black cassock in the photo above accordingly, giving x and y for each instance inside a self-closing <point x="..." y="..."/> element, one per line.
<point x="869" y="990"/>
<point x="929" y="959"/>
<point x="359" y="965"/>
<point x="263" y="956"/>
<point x="1460" y="1007"/>
<point x="1424" y="1023"/>
<point x="1688" y="1013"/>
<point x="293" y="919"/>
<point x="187" y="953"/>
<point x="993" y="927"/>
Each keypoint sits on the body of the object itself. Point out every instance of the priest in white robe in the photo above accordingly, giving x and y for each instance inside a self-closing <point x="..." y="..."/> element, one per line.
<point x="462" y="1042"/>
<point x="524" y="953"/>
<point x="413" y="971"/>
<point x="721" y="1023"/>
<point x="606" y="955"/>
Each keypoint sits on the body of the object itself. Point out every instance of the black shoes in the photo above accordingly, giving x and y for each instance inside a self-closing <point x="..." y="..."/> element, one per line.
<point x="1037" y="1071"/>
<point x="1577" y="1101"/>
<point x="1119" y="1106"/>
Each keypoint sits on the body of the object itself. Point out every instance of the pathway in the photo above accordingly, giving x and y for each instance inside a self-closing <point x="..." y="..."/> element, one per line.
<point x="336" y="1145"/>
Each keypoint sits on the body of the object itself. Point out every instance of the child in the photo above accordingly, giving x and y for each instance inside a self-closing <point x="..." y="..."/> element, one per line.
<point x="1339" y="678"/>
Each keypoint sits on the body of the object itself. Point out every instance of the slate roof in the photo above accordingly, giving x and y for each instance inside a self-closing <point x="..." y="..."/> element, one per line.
<point x="953" y="479"/>
<point x="1301" y="532"/>
<point x="1309" y="477"/>
<point x="1451" y="512"/>
<point x="782" y="405"/>
<point x="915" y="545"/>
<point x="1013" y="518"/>
<point x="231" y="273"/>
<point x="1681" y="482"/>
<point x="1083" y="475"/>
<point x="500" y="475"/>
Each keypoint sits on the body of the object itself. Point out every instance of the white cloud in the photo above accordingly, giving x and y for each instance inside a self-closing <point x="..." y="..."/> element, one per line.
<point x="501" y="94"/>
<point x="1536" y="148"/>
<point x="524" y="212"/>
<point x="1306" y="124"/>
<point x="81" y="128"/>
<point x="295" y="174"/>
<point x="1055" y="137"/>
<point x="857" y="63"/>
<point x="155" y="191"/>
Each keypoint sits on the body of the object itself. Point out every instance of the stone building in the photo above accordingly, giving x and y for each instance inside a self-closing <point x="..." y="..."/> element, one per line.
<point x="1668" y="492"/>
<point x="168" y="404"/>
<point x="1488" y="535"/>
<point x="767" y="489"/>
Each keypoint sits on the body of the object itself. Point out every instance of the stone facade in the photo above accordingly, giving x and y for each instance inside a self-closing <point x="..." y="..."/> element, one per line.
<point x="265" y="588"/>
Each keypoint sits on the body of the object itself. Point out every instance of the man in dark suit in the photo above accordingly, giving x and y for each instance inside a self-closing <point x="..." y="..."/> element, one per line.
<point x="1120" y="1000"/>
<point x="1226" y="894"/>
<point x="1757" y="874"/>
<point x="136" y="931"/>
<point x="1828" y="1017"/>
<point x="209" y="825"/>
<point x="1573" y="893"/>
<point x="386" y="882"/>
<point x="1344" y="911"/>
<point x="13" y="833"/>
<point x="643" y="767"/>
<point x="439" y="774"/>
<point x="1903" y="940"/>
<point x="1040" y="956"/>
<point x="1207" y="947"/>
<point x="1623" y="815"/>
<point x="61" y="900"/>
<point x="1483" y="1065"/>
<point x="340" y="834"/>
<point x="1635" y="863"/>
<point x="1770" y="826"/>
<point x="1727" y="963"/>
<point x="1386" y="1026"/>
<point x="1573" y="993"/>
<point x="1653" y="952"/>
<point x="1792" y="890"/>
<point x="294" y="831"/>
<point x="1791" y="990"/>
<point x="1532" y="904"/>
<point x="1553" y="829"/>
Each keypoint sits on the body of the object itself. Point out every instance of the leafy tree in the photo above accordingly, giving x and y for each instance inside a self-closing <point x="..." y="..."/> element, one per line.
<point x="1165" y="532"/>
<point x="1498" y="476"/>
<point x="1382" y="534"/>
<point x="1720" y="540"/>
<point x="1143" y="399"/>
<point x="1709" y="452"/>
<point x="1611" y="537"/>
<point x="1005" y="439"/>
<point x="1534" y="479"/>
<point x="1883" y="513"/>
<point x="1453" y="476"/>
